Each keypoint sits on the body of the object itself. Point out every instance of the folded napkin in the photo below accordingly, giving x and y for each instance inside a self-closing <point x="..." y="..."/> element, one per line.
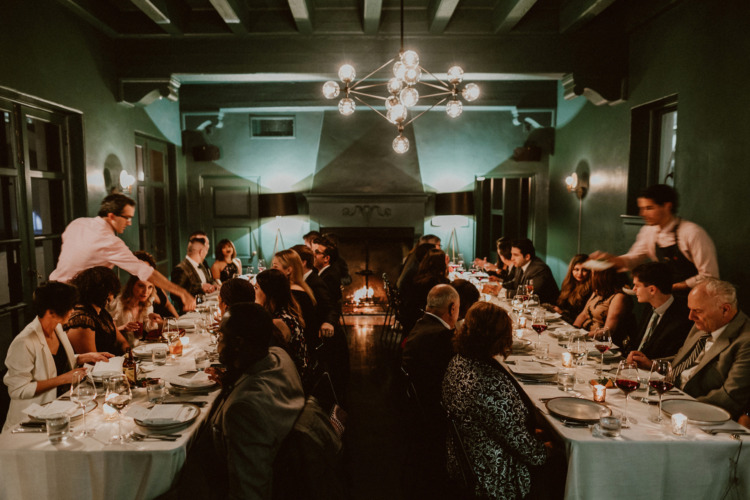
<point x="187" y="322"/>
<point x="105" y="368"/>
<point x="199" y="379"/>
<point x="532" y="368"/>
<point x="166" y="414"/>
<point x="56" y="407"/>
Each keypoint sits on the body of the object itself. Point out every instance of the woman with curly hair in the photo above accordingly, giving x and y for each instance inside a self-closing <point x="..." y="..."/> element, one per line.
<point x="493" y="418"/>
<point x="575" y="289"/>
<point x="227" y="265"/>
<point x="272" y="291"/>
<point x="90" y="327"/>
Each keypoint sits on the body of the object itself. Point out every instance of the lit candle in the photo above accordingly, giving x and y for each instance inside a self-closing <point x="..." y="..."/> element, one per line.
<point x="567" y="359"/>
<point x="518" y="333"/>
<point x="522" y="321"/>
<point x="185" y="341"/>
<point x="679" y="424"/>
<point x="600" y="393"/>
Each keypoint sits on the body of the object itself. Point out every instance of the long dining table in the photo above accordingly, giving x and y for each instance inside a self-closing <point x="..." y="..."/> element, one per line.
<point x="647" y="460"/>
<point x="32" y="468"/>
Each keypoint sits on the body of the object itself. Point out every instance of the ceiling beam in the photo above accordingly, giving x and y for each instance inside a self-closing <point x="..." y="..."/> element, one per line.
<point x="508" y="13"/>
<point x="160" y="13"/>
<point x="302" y="13"/>
<point x="95" y="13"/>
<point x="574" y="14"/>
<point x="440" y="13"/>
<point x="371" y="16"/>
<point x="233" y="13"/>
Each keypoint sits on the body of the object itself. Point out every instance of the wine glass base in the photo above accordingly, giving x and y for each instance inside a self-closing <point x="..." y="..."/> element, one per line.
<point x="657" y="420"/>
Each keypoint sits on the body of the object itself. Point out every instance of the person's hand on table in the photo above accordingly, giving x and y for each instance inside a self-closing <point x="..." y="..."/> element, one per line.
<point x="208" y="288"/>
<point x="71" y="376"/>
<point x="216" y="374"/>
<point x="326" y="330"/>
<point x="188" y="301"/>
<point x="93" y="357"/>
<point x="133" y="326"/>
<point x="640" y="359"/>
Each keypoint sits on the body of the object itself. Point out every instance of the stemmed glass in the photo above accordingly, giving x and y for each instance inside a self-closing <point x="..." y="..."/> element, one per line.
<point x="82" y="391"/>
<point x="533" y="302"/>
<point x="118" y="396"/>
<point x="627" y="381"/>
<point x="539" y="322"/>
<point x="662" y="380"/>
<point x="261" y="266"/>
<point x="578" y="349"/>
<point x="169" y="329"/>
<point x="603" y="343"/>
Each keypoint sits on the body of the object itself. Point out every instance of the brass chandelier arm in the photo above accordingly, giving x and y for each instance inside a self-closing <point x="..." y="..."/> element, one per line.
<point x="383" y="84"/>
<point x="363" y="94"/>
<point x="372" y="73"/>
<point x="426" y="110"/>
<point x="368" y="105"/>
<point x="445" y="85"/>
<point x="437" y="94"/>
<point x="439" y="87"/>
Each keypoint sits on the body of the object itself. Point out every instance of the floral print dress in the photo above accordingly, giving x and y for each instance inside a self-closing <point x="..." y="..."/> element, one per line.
<point x="297" y="347"/>
<point x="493" y="422"/>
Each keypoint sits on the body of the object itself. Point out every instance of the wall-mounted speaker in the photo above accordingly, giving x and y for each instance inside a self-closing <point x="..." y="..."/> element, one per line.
<point x="206" y="152"/>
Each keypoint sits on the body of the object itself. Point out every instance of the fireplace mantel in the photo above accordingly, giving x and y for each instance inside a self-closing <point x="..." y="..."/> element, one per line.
<point x="369" y="210"/>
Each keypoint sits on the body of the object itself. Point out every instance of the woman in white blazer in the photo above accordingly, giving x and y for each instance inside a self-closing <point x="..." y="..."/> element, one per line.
<point x="34" y="355"/>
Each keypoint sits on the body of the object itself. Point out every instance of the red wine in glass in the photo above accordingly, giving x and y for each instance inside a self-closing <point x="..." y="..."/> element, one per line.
<point x="602" y="348"/>
<point x="661" y="386"/>
<point x="539" y="328"/>
<point x="627" y="386"/>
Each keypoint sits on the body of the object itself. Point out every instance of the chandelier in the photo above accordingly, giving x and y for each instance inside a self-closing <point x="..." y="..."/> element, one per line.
<point x="404" y="90"/>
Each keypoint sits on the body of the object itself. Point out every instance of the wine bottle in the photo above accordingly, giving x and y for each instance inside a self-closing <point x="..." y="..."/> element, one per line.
<point x="130" y="367"/>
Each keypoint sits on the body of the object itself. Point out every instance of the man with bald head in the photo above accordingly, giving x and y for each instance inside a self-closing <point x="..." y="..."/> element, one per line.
<point x="713" y="364"/>
<point x="429" y="346"/>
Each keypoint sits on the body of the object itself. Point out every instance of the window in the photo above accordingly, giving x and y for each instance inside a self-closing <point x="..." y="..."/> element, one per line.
<point x="272" y="127"/>
<point x="653" y="143"/>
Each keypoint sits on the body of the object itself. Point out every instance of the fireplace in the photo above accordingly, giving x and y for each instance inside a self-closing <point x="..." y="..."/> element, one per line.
<point x="370" y="252"/>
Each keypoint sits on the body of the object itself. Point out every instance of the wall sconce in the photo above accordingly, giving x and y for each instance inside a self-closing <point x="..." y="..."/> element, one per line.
<point x="577" y="185"/>
<point x="126" y="181"/>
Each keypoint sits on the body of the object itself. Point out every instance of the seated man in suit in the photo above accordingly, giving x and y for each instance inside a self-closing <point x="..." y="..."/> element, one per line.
<point x="429" y="346"/>
<point x="192" y="273"/>
<point x="713" y="365"/>
<point x="530" y="268"/>
<point x="663" y="330"/>
<point x="323" y="307"/>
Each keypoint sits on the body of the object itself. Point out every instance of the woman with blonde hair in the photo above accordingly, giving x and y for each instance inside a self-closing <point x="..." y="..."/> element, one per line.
<point x="133" y="310"/>
<point x="290" y="264"/>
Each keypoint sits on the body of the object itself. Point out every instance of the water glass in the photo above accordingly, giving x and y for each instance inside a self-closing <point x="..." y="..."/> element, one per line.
<point x="201" y="360"/>
<point x="566" y="379"/>
<point x="159" y="355"/>
<point x="156" y="390"/>
<point x="611" y="425"/>
<point x="541" y="350"/>
<point x="58" y="427"/>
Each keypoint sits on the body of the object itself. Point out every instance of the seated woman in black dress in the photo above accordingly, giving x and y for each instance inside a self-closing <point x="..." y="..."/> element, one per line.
<point x="289" y="263"/>
<point x="272" y="291"/>
<point x="493" y="419"/>
<point x="575" y="289"/>
<point x="433" y="270"/>
<point x="233" y="292"/>
<point x="90" y="327"/>
<point x="227" y="265"/>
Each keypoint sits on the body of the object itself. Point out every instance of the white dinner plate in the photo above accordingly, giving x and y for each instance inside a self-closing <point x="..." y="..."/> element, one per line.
<point x="192" y="414"/>
<point x="145" y="350"/>
<point x="533" y="369"/>
<point x="521" y="345"/>
<point x="579" y="410"/>
<point x="696" y="411"/>
<point x="597" y="265"/>
<point x="90" y="406"/>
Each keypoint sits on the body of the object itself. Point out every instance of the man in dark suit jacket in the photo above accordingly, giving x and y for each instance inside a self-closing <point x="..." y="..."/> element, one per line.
<point x="713" y="365"/>
<point x="324" y="310"/>
<point x="429" y="346"/>
<point x="530" y="268"/>
<point x="665" y="326"/>
<point x="192" y="273"/>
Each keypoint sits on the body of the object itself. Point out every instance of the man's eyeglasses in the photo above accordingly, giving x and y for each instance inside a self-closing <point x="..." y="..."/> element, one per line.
<point x="126" y="217"/>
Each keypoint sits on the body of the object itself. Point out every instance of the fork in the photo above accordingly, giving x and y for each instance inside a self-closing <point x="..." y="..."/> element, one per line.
<point x="161" y="437"/>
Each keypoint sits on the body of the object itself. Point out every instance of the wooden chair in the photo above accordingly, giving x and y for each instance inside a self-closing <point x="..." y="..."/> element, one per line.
<point x="392" y="330"/>
<point x="468" y="476"/>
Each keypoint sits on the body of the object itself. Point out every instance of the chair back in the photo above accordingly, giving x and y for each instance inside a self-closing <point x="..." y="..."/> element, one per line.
<point x="468" y="476"/>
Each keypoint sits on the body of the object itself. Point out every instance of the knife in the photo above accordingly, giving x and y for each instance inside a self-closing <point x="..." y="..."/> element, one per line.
<point x="22" y="430"/>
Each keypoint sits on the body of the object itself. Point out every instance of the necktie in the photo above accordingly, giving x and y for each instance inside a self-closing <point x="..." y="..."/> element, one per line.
<point x="649" y="329"/>
<point x="690" y="358"/>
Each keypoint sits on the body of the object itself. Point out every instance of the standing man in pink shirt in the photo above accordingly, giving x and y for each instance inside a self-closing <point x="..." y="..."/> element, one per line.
<point x="93" y="241"/>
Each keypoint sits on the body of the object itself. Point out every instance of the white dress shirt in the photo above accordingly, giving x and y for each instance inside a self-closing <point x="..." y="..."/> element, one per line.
<point x="91" y="241"/>
<point x="198" y="269"/>
<point x="688" y="372"/>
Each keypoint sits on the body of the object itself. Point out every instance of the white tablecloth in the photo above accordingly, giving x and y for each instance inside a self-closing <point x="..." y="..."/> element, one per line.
<point x="31" y="468"/>
<point x="647" y="461"/>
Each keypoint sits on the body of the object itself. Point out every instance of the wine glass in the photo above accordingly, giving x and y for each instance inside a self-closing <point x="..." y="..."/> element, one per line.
<point x="529" y="287"/>
<point x="118" y="396"/>
<point x="82" y="391"/>
<point x="201" y="360"/>
<point x="169" y="329"/>
<point x="578" y="349"/>
<point x="603" y="343"/>
<point x="627" y="381"/>
<point x="261" y="266"/>
<point x="661" y="379"/>
<point x="533" y="303"/>
<point x="539" y="322"/>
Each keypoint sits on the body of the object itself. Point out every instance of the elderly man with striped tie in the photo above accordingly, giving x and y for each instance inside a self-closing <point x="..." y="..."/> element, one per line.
<point x="713" y="364"/>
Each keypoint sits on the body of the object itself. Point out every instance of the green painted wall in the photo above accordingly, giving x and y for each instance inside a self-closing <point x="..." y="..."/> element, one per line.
<point x="700" y="51"/>
<point x="48" y="53"/>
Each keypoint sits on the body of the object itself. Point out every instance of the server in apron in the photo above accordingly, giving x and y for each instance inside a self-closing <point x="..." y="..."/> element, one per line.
<point x="683" y="245"/>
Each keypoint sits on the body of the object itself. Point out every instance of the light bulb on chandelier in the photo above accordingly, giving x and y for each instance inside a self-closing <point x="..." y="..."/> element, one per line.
<point x="454" y="108"/>
<point x="347" y="106"/>
<point x="401" y="144"/>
